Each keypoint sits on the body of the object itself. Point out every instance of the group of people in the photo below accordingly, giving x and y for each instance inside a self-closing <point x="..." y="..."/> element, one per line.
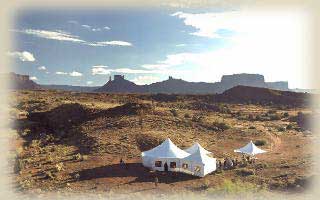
<point x="229" y="163"/>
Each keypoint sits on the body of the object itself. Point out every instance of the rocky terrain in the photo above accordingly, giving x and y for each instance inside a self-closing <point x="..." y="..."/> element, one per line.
<point x="72" y="142"/>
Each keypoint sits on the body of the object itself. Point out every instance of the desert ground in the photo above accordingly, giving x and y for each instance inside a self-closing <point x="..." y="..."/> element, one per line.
<point x="71" y="142"/>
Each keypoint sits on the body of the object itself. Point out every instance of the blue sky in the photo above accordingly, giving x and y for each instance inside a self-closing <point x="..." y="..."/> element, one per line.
<point x="85" y="47"/>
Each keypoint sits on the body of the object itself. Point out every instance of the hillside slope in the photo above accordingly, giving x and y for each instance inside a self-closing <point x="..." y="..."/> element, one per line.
<point x="247" y="94"/>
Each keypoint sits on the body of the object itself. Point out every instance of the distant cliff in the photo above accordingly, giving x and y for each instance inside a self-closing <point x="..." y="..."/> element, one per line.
<point x="120" y="85"/>
<point x="20" y="82"/>
<point x="179" y="86"/>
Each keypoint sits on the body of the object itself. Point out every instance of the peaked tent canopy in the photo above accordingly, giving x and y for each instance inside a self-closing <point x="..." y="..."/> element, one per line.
<point x="250" y="149"/>
<point x="166" y="150"/>
<point x="166" y="153"/>
<point x="195" y="147"/>
<point x="198" y="163"/>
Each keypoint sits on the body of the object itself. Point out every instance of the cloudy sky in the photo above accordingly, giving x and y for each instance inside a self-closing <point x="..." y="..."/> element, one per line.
<point x="85" y="47"/>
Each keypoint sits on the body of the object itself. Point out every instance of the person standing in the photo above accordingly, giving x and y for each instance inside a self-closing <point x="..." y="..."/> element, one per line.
<point x="156" y="181"/>
<point x="165" y="167"/>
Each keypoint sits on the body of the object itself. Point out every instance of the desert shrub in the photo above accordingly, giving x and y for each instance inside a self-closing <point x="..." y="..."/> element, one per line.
<point x="21" y="106"/>
<point x="260" y="142"/>
<point x="221" y="125"/>
<point x="25" y="132"/>
<point x="297" y="129"/>
<point x="197" y="118"/>
<point x="274" y="117"/>
<point x="250" y="117"/>
<point x="286" y="114"/>
<point x="252" y="127"/>
<point x="289" y="127"/>
<point x="205" y="185"/>
<point x="238" y="113"/>
<point x="187" y="115"/>
<point x="49" y="175"/>
<point x="229" y="187"/>
<point x="245" y="172"/>
<point x="174" y="112"/>
<point x="241" y="117"/>
<point x="224" y="109"/>
<point x="59" y="167"/>
<point x="261" y="166"/>
<point x="258" y="118"/>
<point x="80" y="157"/>
<point x="281" y="129"/>
<point x="272" y="111"/>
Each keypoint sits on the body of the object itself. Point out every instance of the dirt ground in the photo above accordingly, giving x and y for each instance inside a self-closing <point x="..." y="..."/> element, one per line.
<point x="75" y="143"/>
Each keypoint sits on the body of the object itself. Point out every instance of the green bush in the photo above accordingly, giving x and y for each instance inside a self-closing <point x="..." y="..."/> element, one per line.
<point x="281" y="129"/>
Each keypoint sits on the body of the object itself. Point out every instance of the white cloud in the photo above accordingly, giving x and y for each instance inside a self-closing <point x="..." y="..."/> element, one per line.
<point x="33" y="78"/>
<point x="208" y="24"/>
<point x="61" y="73"/>
<point x="89" y="82"/>
<point x="181" y="45"/>
<point x="96" y="29"/>
<point x="271" y="43"/>
<point x="171" y="60"/>
<point x="100" y="70"/>
<point x="112" y="43"/>
<point x="106" y="28"/>
<point x="86" y="26"/>
<point x="131" y="71"/>
<point x="64" y="36"/>
<point x="23" y="56"/>
<point x="52" y="35"/>
<point x="75" y="73"/>
<point x="42" y="68"/>
<point x="142" y="80"/>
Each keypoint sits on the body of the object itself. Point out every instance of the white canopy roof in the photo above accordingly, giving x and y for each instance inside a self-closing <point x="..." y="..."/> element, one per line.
<point x="196" y="146"/>
<point x="166" y="150"/>
<point x="250" y="149"/>
<point x="199" y="157"/>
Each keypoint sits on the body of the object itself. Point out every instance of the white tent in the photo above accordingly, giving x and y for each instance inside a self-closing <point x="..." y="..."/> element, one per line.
<point x="167" y="152"/>
<point x="196" y="146"/>
<point x="250" y="149"/>
<point x="198" y="164"/>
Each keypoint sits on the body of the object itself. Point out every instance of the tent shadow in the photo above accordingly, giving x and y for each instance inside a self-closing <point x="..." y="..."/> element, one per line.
<point x="136" y="170"/>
